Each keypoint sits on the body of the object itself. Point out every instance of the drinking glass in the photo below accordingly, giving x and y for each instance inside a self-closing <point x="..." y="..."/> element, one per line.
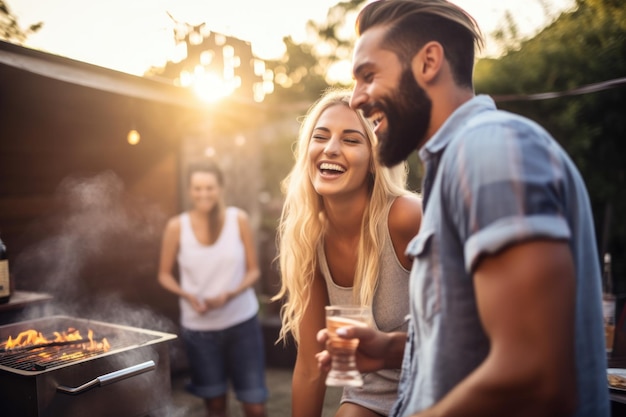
<point x="608" y="310"/>
<point x="343" y="370"/>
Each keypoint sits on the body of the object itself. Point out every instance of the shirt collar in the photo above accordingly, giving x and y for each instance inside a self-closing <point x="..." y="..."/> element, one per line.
<point x="438" y="142"/>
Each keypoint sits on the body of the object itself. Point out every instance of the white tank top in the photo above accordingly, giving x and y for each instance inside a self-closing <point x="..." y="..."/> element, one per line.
<point x="210" y="270"/>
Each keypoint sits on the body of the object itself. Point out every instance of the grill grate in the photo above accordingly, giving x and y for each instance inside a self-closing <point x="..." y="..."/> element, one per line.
<point x="48" y="356"/>
<point x="45" y="358"/>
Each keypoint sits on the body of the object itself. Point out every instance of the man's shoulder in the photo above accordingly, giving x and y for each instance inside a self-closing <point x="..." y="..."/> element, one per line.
<point x="497" y="144"/>
<point x="494" y="131"/>
<point x="498" y="120"/>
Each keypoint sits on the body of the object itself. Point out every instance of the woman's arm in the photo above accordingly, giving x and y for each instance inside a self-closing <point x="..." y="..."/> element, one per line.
<point x="252" y="264"/>
<point x="169" y="250"/>
<point x="405" y="217"/>
<point x="308" y="384"/>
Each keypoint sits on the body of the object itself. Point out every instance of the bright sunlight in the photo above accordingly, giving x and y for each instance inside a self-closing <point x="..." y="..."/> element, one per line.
<point x="209" y="86"/>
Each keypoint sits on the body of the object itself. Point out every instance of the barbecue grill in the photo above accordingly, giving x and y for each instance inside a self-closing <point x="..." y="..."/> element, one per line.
<point x="62" y="379"/>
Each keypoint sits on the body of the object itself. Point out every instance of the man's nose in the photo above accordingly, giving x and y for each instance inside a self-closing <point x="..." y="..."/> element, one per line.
<point x="358" y="97"/>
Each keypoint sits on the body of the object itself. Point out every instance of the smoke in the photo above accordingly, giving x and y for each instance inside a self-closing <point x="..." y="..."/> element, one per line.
<point x="96" y="252"/>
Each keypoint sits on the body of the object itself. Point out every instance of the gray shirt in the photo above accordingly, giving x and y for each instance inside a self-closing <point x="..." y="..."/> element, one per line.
<point x="389" y="309"/>
<point x="492" y="179"/>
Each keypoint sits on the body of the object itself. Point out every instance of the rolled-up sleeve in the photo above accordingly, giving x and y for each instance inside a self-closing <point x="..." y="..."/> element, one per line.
<point x="510" y="189"/>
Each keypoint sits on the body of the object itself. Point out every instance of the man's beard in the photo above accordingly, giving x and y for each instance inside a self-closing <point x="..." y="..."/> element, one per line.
<point x="408" y="115"/>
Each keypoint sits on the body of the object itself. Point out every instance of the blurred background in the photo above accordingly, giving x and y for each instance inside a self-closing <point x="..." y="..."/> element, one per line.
<point x="103" y="105"/>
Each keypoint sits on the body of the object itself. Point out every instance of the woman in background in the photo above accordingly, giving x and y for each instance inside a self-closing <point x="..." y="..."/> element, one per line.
<point x="215" y="251"/>
<point x="345" y="225"/>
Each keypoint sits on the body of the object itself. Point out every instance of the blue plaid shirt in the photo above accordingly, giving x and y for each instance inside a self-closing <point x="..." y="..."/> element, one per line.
<point x="493" y="179"/>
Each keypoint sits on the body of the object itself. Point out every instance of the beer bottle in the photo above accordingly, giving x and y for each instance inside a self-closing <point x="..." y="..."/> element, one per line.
<point x="5" y="283"/>
<point x="608" y="303"/>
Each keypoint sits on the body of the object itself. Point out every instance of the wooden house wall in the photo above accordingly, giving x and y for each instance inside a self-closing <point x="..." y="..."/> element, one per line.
<point x="55" y="136"/>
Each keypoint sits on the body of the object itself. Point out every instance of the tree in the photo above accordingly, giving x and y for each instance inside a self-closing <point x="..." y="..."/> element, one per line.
<point x="299" y="76"/>
<point x="585" y="46"/>
<point x="304" y="71"/>
<point x="10" y="30"/>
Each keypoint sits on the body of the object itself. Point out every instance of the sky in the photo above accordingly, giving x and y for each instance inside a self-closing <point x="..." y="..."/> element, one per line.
<point x="133" y="35"/>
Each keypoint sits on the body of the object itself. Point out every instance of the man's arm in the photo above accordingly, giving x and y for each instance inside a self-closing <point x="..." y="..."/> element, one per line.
<point x="377" y="350"/>
<point x="526" y="302"/>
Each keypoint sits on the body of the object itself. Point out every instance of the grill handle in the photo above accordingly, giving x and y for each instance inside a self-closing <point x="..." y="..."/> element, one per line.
<point x="109" y="378"/>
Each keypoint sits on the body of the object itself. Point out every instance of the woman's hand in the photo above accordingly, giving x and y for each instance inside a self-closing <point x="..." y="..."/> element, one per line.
<point x="198" y="305"/>
<point x="212" y="303"/>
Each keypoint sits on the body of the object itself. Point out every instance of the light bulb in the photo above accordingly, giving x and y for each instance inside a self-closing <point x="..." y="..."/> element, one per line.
<point x="133" y="137"/>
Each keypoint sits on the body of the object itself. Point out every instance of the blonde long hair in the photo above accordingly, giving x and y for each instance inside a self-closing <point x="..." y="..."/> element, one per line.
<point x="303" y="222"/>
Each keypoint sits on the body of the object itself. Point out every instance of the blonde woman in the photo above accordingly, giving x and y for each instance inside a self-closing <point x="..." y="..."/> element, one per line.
<point x="345" y="225"/>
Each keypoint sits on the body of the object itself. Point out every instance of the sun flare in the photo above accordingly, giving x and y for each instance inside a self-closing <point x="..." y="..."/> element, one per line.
<point x="209" y="86"/>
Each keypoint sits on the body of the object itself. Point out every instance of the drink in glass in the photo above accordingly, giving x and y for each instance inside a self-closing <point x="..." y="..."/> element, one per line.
<point x="608" y="304"/>
<point x="343" y="370"/>
<point x="608" y="309"/>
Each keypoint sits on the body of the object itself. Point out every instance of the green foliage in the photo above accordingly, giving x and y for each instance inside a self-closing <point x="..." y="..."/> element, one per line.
<point x="299" y="75"/>
<point x="582" y="47"/>
<point x="331" y="31"/>
<point x="302" y="74"/>
<point x="10" y="30"/>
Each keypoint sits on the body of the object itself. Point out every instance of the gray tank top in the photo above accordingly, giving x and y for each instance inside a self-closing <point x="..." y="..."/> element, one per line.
<point x="389" y="308"/>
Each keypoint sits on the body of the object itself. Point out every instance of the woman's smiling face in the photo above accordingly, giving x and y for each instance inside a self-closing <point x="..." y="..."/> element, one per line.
<point x="204" y="190"/>
<point x="340" y="152"/>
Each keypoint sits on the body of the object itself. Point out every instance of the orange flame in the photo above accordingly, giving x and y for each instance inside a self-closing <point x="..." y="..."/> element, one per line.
<point x="32" y="337"/>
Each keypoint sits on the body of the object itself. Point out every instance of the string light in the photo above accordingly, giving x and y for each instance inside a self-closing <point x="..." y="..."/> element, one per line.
<point x="133" y="137"/>
<point x="585" y="89"/>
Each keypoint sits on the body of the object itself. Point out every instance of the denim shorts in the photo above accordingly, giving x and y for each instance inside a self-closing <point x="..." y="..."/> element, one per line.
<point x="234" y="355"/>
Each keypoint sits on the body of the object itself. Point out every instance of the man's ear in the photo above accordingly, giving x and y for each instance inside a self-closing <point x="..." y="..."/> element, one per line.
<point x="427" y="63"/>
